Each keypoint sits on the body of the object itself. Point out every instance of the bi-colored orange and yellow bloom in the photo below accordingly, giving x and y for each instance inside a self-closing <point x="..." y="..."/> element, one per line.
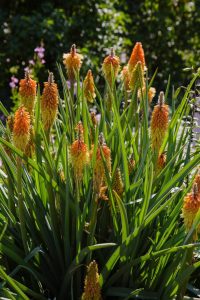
<point x="137" y="77"/>
<point x="159" y="123"/>
<point x="126" y="78"/>
<point x="110" y="67"/>
<point x="99" y="176"/>
<point x="190" y="208"/>
<point x="88" y="87"/>
<point x="92" y="289"/>
<point x="21" y="128"/>
<point x="79" y="154"/>
<point x="49" y="103"/>
<point x="27" y="92"/>
<point x="72" y="62"/>
<point x="137" y="55"/>
<point x="99" y="169"/>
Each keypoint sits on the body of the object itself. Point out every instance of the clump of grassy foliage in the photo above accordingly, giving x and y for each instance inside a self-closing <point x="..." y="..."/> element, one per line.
<point x="59" y="213"/>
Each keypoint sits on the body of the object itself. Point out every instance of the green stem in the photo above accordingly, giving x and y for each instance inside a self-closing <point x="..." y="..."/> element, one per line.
<point x="78" y="225"/>
<point x="11" y="203"/>
<point x="126" y="98"/>
<point x="53" y="212"/>
<point x="93" y="220"/>
<point x="21" y="205"/>
<point x="187" y="263"/>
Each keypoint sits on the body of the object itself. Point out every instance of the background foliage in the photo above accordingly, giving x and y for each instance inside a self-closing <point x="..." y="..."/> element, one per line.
<point x="168" y="29"/>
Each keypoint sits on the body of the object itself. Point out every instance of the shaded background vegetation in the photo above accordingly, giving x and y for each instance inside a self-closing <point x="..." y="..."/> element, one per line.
<point x="169" y="31"/>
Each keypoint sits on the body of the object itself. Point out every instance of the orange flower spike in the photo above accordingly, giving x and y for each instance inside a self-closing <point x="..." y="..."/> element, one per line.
<point x="27" y="92"/>
<point x="72" y="62"/>
<point x="159" y="122"/>
<point x="111" y="66"/>
<point x="92" y="289"/>
<point x="89" y="88"/>
<point x="190" y="208"/>
<point x="49" y="102"/>
<point x="79" y="154"/>
<point x="126" y="78"/>
<point x="136" y="55"/>
<point x="21" y="128"/>
<point x="99" y="169"/>
<point x="137" y="77"/>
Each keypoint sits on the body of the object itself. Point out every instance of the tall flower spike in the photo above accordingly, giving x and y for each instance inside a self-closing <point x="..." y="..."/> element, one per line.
<point x="159" y="123"/>
<point x="190" y="208"/>
<point x="111" y="66"/>
<point x="137" y="77"/>
<point x="99" y="169"/>
<point x="88" y="87"/>
<point x="126" y="77"/>
<point x="72" y="62"/>
<point x="92" y="289"/>
<point x="79" y="154"/>
<point x="136" y="55"/>
<point x="49" y="102"/>
<point x="27" y="92"/>
<point x="21" y="128"/>
<point x="118" y="185"/>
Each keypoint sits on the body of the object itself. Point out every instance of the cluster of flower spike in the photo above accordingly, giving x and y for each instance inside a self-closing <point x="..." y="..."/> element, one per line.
<point x="133" y="75"/>
<point x="22" y="129"/>
<point x="80" y="158"/>
<point x="191" y="207"/>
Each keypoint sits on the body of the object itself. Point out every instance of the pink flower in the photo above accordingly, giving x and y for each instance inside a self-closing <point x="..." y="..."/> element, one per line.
<point x="13" y="82"/>
<point x="39" y="49"/>
<point x="40" y="54"/>
<point x="31" y="62"/>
